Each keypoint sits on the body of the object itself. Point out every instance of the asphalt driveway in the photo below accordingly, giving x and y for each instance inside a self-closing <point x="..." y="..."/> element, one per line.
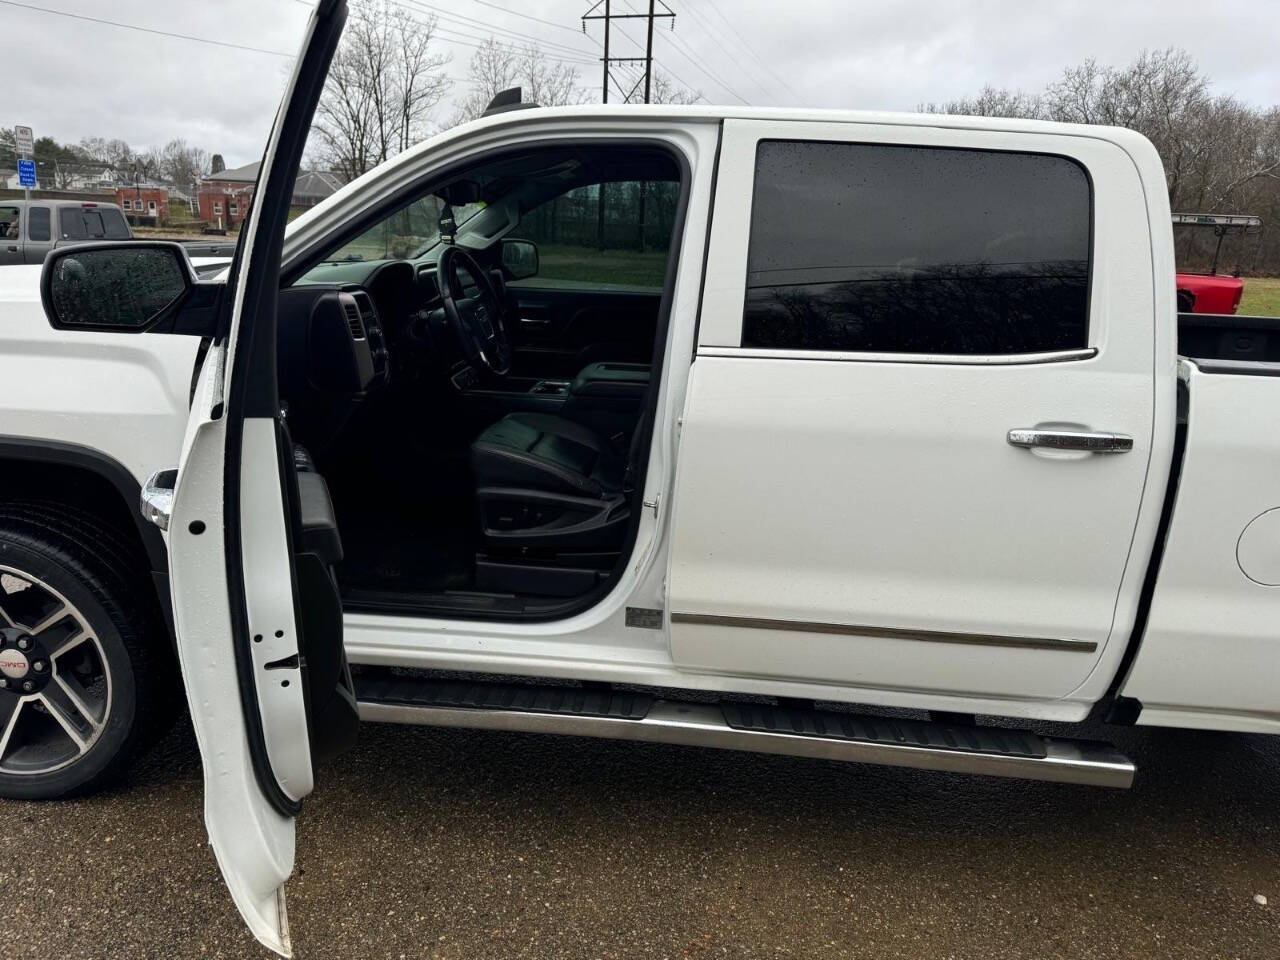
<point x="430" y="843"/>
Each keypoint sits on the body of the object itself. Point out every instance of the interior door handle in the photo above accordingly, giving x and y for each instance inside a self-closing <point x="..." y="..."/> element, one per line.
<point x="1086" y="440"/>
<point x="534" y="321"/>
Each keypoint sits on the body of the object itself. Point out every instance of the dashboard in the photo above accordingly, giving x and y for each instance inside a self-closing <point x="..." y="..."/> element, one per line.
<point x="347" y="331"/>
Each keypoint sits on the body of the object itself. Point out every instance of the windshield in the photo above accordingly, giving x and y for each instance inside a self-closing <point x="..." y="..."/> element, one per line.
<point x="405" y="235"/>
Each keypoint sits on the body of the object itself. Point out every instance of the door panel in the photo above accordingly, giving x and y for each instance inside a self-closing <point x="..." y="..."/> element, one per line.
<point x="861" y="518"/>
<point x="886" y="496"/>
<point x="252" y="838"/>
<point x="556" y="330"/>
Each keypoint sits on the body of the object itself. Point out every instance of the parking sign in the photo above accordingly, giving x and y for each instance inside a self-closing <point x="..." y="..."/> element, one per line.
<point x="24" y="143"/>
<point x="26" y="173"/>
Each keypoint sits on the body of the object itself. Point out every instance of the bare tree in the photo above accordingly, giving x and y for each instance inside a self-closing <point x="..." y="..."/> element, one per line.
<point x="384" y="81"/>
<point x="1220" y="155"/>
<point x="992" y="102"/>
<point x="667" y="90"/>
<point x="180" y="164"/>
<point x="114" y="152"/>
<point x="496" y="67"/>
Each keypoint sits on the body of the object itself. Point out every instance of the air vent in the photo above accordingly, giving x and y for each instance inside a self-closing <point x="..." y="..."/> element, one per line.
<point x="367" y="317"/>
<point x="352" y="313"/>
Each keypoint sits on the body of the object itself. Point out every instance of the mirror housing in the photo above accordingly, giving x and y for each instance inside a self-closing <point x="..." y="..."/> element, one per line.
<point x="519" y="259"/>
<point x="133" y="286"/>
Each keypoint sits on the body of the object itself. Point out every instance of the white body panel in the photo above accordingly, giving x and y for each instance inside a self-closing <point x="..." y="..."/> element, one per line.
<point x="1210" y="656"/>
<point x="126" y="397"/>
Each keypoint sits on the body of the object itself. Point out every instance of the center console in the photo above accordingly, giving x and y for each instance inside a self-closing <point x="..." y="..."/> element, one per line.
<point x="606" y="397"/>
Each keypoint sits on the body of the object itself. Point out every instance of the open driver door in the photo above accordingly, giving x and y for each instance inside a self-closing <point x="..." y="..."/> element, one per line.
<point x="256" y="609"/>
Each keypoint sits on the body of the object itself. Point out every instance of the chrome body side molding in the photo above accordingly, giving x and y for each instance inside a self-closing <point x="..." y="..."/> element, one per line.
<point x="890" y="633"/>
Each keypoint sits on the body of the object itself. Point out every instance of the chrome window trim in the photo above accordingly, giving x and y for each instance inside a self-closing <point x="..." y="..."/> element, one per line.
<point x="937" y="359"/>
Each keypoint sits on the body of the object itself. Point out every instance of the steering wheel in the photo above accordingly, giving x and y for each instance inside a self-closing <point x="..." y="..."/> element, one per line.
<point x="478" y="321"/>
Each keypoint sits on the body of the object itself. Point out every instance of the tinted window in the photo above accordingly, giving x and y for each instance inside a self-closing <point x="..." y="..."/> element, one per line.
<point x="38" y="223"/>
<point x="71" y="224"/>
<point x="92" y="223"/>
<point x="916" y="250"/>
<point x="113" y="224"/>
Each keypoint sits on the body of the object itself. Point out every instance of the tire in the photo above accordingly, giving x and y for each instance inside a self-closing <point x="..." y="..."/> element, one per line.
<point x="1186" y="301"/>
<point x="98" y="682"/>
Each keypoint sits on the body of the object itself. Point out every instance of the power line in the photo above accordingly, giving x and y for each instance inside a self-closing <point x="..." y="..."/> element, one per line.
<point x="472" y="22"/>
<point x="751" y="50"/>
<point x="133" y="26"/>
<point x="452" y="35"/>
<point x="679" y="47"/>
<point x="716" y="35"/>
<point x="526" y="16"/>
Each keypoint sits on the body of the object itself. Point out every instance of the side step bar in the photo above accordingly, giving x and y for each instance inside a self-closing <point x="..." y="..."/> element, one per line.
<point x="757" y="728"/>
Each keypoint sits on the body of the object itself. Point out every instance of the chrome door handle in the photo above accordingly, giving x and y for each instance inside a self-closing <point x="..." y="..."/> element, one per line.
<point x="534" y="321"/>
<point x="1088" y="441"/>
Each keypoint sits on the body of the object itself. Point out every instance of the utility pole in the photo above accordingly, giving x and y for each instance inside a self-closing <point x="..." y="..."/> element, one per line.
<point x="608" y="16"/>
<point x="648" y="52"/>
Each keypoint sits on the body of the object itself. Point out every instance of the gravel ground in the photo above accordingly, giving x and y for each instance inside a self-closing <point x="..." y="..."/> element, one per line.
<point x="429" y="843"/>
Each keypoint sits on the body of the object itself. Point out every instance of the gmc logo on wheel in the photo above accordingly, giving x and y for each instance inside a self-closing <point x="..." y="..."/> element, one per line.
<point x="13" y="663"/>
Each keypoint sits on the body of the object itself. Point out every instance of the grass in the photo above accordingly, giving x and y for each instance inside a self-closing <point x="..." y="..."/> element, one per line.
<point x="1261" y="297"/>
<point x="584" y="264"/>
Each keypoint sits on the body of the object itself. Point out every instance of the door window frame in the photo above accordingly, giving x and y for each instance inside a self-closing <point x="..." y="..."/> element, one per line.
<point x="720" y="326"/>
<point x="422" y="179"/>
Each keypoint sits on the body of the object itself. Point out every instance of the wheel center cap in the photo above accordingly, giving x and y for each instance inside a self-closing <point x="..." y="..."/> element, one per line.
<point x="14" y="664"/>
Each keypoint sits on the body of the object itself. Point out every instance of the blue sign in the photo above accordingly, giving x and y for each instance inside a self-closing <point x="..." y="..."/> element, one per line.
<point x="26" y="173"/>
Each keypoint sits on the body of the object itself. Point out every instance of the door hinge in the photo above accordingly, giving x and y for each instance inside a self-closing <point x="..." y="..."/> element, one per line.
<point x="652" y="504"/>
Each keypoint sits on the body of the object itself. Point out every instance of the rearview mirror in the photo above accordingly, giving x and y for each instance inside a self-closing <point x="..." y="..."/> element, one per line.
<point x="127" y="287"/>
<point x="519" y="259"/>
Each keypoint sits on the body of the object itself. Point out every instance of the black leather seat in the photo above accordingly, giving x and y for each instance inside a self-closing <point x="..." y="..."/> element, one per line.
<point x="539" y="451"/>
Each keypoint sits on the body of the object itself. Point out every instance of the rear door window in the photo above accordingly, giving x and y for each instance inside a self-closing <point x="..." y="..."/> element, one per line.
<point x="924" y="250"/>
<point x="38" y="224"/>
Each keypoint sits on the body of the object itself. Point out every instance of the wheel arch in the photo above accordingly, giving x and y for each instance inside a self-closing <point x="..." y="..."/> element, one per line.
<point x="53" y="467"/>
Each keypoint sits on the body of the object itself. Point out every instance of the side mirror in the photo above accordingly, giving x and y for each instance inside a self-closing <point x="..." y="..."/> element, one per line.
<point x="519" y="259"/>
<point x="127" y="287"/>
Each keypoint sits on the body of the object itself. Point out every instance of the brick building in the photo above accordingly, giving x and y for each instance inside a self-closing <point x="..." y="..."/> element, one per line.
<point x="223" y="198"/>
<point x="144" y="204"/>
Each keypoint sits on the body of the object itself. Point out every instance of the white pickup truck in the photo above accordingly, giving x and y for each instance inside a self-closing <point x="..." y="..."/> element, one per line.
<point x="854" y="436"/>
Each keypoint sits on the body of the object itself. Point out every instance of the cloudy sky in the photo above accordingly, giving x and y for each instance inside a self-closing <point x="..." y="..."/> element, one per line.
<point x="71" y="78"/>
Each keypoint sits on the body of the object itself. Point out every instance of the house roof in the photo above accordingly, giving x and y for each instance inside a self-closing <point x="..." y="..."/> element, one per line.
<point x="245" y="174"/>
<point x="311" y="184"/>
<point x="316" y="183"/>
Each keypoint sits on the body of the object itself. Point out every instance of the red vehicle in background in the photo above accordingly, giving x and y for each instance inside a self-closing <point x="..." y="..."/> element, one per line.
<point x="1212" y="292"/>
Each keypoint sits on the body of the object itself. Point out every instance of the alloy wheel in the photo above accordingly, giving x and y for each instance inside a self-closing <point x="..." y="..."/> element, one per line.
<point x="55" y="682"/>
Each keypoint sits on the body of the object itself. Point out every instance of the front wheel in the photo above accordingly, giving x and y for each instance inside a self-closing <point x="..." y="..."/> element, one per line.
<point x="78" y="666"/>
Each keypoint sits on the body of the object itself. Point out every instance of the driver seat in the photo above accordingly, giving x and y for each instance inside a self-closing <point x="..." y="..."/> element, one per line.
<point x="540" y="451"/>
<point x="544" y="481"/>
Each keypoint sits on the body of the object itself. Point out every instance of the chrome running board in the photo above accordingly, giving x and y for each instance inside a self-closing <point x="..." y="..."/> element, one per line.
<point x="824" y="735"/>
